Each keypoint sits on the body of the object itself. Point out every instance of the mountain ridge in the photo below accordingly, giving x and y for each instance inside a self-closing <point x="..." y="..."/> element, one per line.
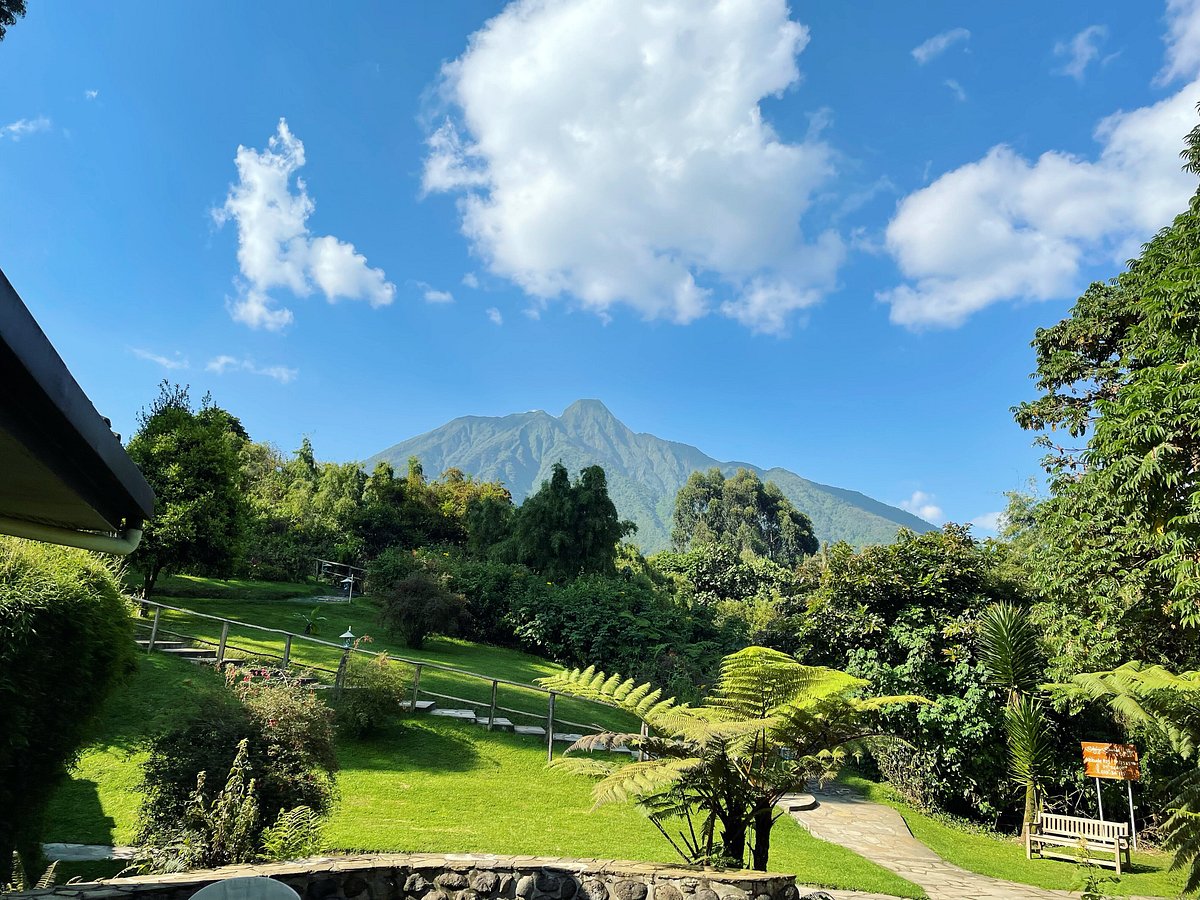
<point x="644" y="471"/>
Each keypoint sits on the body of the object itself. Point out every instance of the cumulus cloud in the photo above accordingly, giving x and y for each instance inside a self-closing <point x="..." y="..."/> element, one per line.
<point x="494" y="316"/>
<point x="275" y="246"/>
<point x="470" y="280"/>
<point x="91" y="94"/>
<point x="615" y="152"/>
<point x="432" y="294"/>
<point x="1005" y="227"/>
<point x="1183" y="41"/>
<point x="990" y="522"/>
<point x="1081" y="50"/>
<point x="222" y="364"/>
<point x="923" y="505"/>
<point x="14" y="131"/>
<point x="939" y="44"/>
<point x="956" y="89"/>
<point x="167" y="362"/>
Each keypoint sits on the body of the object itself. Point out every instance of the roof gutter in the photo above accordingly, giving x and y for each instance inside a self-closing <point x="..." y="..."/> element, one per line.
<point x="121" y="543"/>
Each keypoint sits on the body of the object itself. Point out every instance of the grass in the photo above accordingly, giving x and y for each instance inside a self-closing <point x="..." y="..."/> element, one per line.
<point x="193" y="586"/>
<point x="362" y="618"/>
<point x="988" y="853"/>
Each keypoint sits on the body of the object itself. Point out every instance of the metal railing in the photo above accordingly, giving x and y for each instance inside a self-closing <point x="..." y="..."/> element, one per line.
<point x="288" y="638"/>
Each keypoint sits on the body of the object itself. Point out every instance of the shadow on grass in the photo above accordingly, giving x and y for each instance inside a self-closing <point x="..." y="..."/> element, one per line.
<point x="75" y="815"/>
<point x="410" y="747"/>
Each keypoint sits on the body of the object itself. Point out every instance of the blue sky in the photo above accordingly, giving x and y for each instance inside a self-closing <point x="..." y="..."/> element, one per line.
<point x="816" y="235"/>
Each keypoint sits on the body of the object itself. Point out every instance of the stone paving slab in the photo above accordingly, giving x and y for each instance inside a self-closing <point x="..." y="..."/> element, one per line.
<point x="86" y="852"/>
<point x="880" y="834"/>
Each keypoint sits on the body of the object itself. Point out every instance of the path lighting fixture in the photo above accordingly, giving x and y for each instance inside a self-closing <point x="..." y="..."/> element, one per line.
<point x="349" y="585"/>
<point x="347" y="638"/>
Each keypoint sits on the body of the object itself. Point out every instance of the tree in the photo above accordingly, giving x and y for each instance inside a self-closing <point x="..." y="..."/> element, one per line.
<point x="1123" y="371"/>
<point x="192" y="459"/>
<point x="742" y="513"/>
<point x="10" y="11"/>
<point x="769" y="726"/>
<point x="565" y="530"/>
<point x="1010" y="654"/>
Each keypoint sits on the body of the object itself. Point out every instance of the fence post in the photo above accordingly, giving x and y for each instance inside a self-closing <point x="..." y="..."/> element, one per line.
<point x="287" y="652"/>
<point x="153" y="630"/>
<point x="221" y="646"/>
<point x="492" y="714"/>
<point x="550" y="731"/>
<point x="645" y="731"/>
<point x="416" y="688"/>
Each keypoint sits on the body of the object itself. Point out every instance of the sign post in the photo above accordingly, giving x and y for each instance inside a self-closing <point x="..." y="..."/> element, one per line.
<point x="1116" y="762"/>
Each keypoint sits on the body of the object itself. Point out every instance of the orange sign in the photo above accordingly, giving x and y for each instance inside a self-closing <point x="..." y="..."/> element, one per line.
<point x="1116" y="761"/>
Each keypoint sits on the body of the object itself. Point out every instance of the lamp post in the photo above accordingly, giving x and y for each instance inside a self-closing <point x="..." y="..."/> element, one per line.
<point x="340" y="680"/>
<point x="349" y="582"/>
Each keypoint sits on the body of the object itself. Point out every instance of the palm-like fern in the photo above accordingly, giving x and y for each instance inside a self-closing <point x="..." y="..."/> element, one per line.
<point x="718" y="769"/>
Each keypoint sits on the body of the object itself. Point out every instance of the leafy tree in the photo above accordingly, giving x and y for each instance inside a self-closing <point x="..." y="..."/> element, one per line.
<point x="10" y="11"/>
<point x="567" y="529"/>
<point x="769" y="726"/>
<point x="741" y="513"/>
<point x="192" y="459"/>
<point x="415" y="600"/>
<point x="1123" y="372"/>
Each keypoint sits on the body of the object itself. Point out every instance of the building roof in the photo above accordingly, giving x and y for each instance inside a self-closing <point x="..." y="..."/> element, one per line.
<point x="62" y="465"/>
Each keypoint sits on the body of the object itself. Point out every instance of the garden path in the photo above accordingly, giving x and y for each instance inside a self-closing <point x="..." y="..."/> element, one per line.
<point x="879" y="833"/>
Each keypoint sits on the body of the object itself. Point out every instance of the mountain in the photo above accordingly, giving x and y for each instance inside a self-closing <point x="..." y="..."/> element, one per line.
<point x="644" y="472"/>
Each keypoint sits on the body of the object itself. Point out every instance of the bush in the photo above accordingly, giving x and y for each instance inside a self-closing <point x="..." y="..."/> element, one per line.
<point x="420" y="605"/>
<point x="375" y="688"/>
<point x="288" y="733"/>
<point x="65" y="641"/>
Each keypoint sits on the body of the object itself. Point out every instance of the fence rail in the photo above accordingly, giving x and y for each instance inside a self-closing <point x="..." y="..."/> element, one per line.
<point x="288" y="640"/>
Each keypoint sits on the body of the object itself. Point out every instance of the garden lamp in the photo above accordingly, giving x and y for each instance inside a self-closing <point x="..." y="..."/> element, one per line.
<point x="347" y="638"/>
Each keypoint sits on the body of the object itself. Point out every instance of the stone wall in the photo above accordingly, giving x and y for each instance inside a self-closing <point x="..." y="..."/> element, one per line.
<point x="427" y="876"/>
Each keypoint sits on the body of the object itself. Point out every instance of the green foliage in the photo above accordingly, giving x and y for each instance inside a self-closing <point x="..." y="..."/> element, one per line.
<point x="288" y="739"/>
<point x="192" y="459"/>
<point x="19" y="882"/>
<point x="769" y="725"/>
<point x="371" y="701"/>
<point x="419" y="605"/>
<point x="65" y="641"/>
<point x="297" y="834"/>
<point x="743" y="514"/>
<point x="10" y="11"/>
<point x="566" y="528"/>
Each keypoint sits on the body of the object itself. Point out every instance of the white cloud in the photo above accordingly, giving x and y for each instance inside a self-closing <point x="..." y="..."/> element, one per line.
<point x="1006" y="228"/>
<point x="636" y="168"/>
<point x="167" y="362"/>
<point x="1183" y="41"/>
<point x="14" y="131"/>
<point x="91" y="94"/>
<point x="990" y="522"/>
<point x="432" y="294"/>
<point x="224" y="363"/>
<point x="1080" y="50"/>
<point x="494" y="316"/>
<point x="276" y="248"/>
<point x="956" y="89"/>
<point x="923" y="505"/>
<point x="471" y="280"/>
<point x="939" y="44"/>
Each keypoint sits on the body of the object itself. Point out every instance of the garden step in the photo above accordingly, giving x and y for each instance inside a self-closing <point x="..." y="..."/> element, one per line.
<point x="468" y="714"/>
<point x="566" y="738"/>
<point x="423" y="706"/>
<point x="190" y="652"/>
<point x="160" y="645"/>
<point x="532" y="730"/>
<point x="798" y="802"/>
<point x="498" y="724"/>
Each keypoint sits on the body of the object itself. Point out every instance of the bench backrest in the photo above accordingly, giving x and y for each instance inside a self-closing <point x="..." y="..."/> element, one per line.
<point x="1077" y="826"/>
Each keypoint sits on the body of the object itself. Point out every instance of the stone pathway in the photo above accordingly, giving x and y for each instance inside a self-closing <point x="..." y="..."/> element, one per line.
<point x="86" y="852"/>
<point x="880" y="834"/>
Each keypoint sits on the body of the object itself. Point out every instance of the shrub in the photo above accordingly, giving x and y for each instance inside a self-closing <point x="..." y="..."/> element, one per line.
<point x="65" y="640"/>
<point x="289" y="752"/>
<point x="420" y="605"/>
<point x="374" y="691"/>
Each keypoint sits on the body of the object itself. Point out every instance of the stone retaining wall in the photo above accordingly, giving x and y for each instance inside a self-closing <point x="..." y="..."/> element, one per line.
<point x="427" y="876"/>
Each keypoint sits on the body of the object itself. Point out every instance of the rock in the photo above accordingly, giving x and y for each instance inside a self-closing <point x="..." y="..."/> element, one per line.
<point x="707" y="893"/>
<point x="791" y="892"/>
<point x="667" y="892"/>
<point x="525" y="886"/>
<point x="484" y="882"/>
<point x="816" y="895"/>
<point x="629" y="890"/>
<point x="453" y="881"/>
<point x="593" y="889"/>
<point x="353" y="886"/>
<point x="321" y="888"/>
<point x="415" y="883"/>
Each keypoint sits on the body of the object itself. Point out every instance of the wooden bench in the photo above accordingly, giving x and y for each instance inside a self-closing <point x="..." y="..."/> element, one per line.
<point x="1106" y="838"/>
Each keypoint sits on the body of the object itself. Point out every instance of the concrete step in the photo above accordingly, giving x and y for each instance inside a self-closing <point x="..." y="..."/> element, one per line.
<point x="468" y="715"/>
<point x="565" y="738"/>
<point x="498" y="724"/>
<point x="797" y="802"/>
<point x="160" y="644"/>
<point x="531" y="730"/>
<point x="423" y="706"/>
<point x="190" y="652"/>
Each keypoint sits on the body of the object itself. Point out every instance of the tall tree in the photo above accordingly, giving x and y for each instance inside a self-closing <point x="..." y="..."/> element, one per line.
<point x="10" y="11"/>
<point x="742" y="513"/>
<point x="1122" y="375"/>
<point x="192" y="459"/>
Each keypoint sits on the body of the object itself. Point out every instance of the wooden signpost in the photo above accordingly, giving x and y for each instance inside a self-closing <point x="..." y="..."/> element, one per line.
<point x="1115" y="762"/>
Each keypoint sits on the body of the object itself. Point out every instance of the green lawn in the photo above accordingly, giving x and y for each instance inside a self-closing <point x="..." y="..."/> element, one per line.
<point x="429" y="784"/>
<point x="193" y="586"/>
<point x="361" y="616"/>
<point x="988" y="853"/>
